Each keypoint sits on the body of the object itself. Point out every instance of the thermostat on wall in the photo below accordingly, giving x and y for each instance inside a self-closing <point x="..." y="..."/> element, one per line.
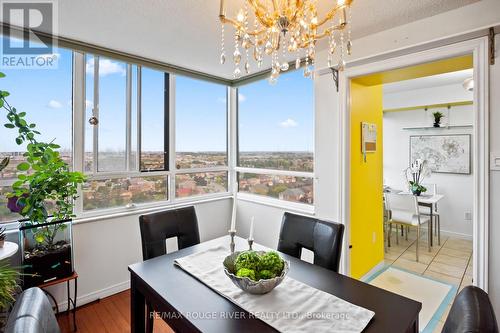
<point x="495" y="161"/>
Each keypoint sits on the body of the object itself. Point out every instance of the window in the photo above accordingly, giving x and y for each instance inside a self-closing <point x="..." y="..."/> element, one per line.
<point x="126" y="145"/>
<point x="45" y="95"/>
<point x="281" y="140"/>
<point x="201" y="137"/>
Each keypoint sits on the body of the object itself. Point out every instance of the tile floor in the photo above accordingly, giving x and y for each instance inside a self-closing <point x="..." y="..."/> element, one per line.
<point x="450" y="262"/>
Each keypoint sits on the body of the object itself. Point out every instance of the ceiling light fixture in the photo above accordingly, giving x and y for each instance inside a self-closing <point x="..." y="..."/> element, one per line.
<point x="284" y="27"/>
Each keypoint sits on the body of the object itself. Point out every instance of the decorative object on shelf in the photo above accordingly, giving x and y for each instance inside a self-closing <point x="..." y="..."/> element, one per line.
<point x="256" y="272"/>
<point x="284" y="28"/>
<point x="437" y="118"/>
<point x="368" y="139"/>
<point x="443" y="153"/>
<point x="45" y="192"/>
<point x="415" y="175"/>
<point x="2" y="236"/>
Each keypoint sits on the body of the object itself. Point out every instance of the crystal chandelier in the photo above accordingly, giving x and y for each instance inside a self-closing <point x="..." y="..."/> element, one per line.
<point x="286" y="27"/>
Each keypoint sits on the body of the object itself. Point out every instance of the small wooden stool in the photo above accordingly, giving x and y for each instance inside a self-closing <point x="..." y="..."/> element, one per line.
<point x="71" y="301"/>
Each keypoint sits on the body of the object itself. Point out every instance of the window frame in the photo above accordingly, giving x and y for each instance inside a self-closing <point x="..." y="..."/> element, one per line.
<point x="170" y="172"/>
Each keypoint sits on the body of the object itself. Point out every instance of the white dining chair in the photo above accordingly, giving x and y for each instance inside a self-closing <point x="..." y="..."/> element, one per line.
<point x="432" y="190"/>
<point x="405" y="211"/>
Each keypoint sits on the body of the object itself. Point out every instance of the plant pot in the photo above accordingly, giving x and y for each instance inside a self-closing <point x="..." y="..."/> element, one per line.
<point x="416" y="192"/>
<point x="437" y="124"/>
<point x="47" y="260"/>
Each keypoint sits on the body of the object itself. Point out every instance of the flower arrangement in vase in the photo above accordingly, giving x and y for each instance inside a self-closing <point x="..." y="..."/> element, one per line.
<point x="415" y="175"/>
<point x="437" y="118"/>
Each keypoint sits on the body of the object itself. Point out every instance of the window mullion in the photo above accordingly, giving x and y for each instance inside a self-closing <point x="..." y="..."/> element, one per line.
<point x="128" y="118"/>
<point x="171" y="135"/>
<point x="139" y="119"/>
<point x="95" y="113"/>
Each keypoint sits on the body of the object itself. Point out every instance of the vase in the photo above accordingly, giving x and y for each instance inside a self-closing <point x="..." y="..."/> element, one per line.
<point x="437" y="124"/>
<point x="416" y="192"/>
<point x="45" y="259"/>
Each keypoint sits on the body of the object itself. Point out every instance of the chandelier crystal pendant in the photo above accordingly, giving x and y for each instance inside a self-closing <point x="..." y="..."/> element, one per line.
<point x="282" y="28"/>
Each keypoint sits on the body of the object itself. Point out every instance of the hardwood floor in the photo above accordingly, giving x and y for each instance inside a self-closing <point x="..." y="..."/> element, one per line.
<point x="109" y="315"/>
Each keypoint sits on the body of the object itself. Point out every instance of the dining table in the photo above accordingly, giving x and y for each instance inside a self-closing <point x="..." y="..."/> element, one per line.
<point x="425" y="200"/>
<point x="188" y="305"/>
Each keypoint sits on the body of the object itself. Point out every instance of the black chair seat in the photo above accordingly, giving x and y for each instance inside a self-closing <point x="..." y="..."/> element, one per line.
<point x="471" y="312"/>
<point x="322" y="237"/>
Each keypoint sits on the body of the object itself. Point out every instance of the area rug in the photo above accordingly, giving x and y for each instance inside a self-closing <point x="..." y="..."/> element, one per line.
<point x="433" y="294"/>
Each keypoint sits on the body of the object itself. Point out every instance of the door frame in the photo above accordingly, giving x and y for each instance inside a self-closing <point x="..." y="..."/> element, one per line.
<point x="479" y="49"/>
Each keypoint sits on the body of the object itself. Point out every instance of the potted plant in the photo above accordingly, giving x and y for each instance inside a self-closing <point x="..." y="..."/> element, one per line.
<point x="44" y="193"/>
<point x="415" y="175"/>
<point x="9" y="287"/>
<point x="437" y="118"/>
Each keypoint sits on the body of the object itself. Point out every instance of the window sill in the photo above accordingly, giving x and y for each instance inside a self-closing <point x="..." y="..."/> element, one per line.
<point x="276" y="203"/>
<point x="121" y="212"/>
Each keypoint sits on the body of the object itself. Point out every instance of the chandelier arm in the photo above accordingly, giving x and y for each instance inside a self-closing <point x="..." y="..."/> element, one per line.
<point x="328" y="31"/>
<point x="260" y="13"/>
<point x="256" y="33"/>
<point x="332" y="13"/>
<point x="234" y="23"/>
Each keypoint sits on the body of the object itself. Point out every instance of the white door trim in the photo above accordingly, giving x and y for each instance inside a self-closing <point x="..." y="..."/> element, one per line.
<point x="478" y="48"/>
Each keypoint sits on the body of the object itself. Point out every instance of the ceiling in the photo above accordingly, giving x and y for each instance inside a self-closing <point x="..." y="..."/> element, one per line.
<point x="450" y="78"/>
<point x="186" y="33"/>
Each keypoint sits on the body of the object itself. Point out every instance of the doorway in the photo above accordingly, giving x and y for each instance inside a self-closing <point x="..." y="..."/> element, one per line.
<point x="363" y="169"/>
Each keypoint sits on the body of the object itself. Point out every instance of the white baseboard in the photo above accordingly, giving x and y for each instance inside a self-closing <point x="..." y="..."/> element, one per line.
<point x="456" y="234"/>
<point x="372" y="271"/>
<point x="96" y="295"/>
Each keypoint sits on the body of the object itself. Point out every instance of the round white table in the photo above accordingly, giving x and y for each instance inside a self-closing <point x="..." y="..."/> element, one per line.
<point x="8" y="250"/>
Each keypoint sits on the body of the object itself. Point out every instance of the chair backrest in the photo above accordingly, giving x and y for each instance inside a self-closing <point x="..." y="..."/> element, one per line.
<point x="157" y="227"/>
<point x="32" y="313"/>
<point x="402" y="202"/>
<point x="322" y="237"/>
<point x="471" y="312"/>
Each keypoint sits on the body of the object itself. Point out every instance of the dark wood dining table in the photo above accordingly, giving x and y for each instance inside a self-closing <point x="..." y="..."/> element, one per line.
<point x="188" y="305"/>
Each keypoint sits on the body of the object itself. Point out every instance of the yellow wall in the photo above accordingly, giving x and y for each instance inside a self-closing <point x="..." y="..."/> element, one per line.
<point x="366" y="218"/>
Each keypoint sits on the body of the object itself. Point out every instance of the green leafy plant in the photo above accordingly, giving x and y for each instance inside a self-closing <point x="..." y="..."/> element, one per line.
<point x="437" y="116"/>
<point x="48" y="187"/>
<point x="257" y="266"/>
<point x="9" y="278"/>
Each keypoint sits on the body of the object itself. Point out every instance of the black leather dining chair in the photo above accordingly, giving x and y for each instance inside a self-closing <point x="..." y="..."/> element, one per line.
<point x="471" y="312"/>
<point x="321" y="237"/>
<point x="157" y="227"/>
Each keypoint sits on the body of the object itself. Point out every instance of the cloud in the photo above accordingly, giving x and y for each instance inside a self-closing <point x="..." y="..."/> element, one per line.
<point x="106" y="67"/>
<point x="53" y="104"/>
<point x="221" y="100"/>
<point x="241" y="97"/>
<point x="289" y="123"/>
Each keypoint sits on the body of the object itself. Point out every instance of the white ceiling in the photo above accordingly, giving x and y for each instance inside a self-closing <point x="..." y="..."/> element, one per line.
<point x="186" y="33"/>
<point x="445" y="79"/>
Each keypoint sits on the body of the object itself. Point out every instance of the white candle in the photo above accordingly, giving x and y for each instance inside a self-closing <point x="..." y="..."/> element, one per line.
<point x="233" y="217"/>
<point x="251" y="229"/>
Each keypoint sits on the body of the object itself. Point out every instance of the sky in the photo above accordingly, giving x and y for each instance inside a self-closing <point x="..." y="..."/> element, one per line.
<point x="272" y="117"/>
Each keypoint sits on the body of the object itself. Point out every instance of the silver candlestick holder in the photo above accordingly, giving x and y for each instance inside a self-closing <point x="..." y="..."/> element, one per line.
<point x="250" y="243"/>
<point x="232" y="233"/>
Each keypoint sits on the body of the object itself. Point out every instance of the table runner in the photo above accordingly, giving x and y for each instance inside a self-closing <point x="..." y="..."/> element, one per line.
<point x="291" y="307"/>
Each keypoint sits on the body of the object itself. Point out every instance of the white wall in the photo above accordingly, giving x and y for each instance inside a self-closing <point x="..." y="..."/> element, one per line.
<point x="457" y="189"/>
<point x="494" y="262"/>
<point x="103" y="249"/>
